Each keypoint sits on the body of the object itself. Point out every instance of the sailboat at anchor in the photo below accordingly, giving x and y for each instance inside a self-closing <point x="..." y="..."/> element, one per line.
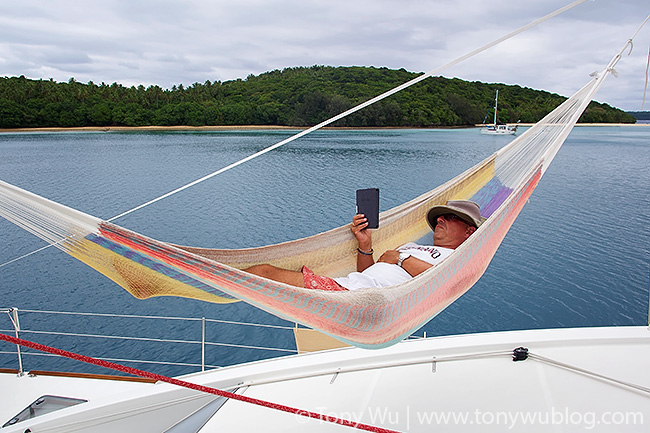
<point x="495" y="129"/>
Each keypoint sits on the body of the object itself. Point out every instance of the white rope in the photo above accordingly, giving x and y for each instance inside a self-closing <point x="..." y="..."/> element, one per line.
<point x="544" y="139"/>
<point x="464" y="357"/>
<point x="588" y="372"/>
<point x="647" y="75"/>
<point x="25" y="255"/>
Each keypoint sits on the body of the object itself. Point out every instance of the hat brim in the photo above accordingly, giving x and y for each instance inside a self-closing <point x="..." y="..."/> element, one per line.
<point x="436" y="211"/>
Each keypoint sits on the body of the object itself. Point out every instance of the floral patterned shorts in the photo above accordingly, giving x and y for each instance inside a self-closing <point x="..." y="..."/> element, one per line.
<point x="313" y="281"/>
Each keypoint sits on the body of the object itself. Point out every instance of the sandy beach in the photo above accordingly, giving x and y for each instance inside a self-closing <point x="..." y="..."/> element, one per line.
<point x="594" y="124"/>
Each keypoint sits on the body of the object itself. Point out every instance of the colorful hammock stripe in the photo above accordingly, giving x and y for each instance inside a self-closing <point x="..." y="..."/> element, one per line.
<point x="147" y="268"/>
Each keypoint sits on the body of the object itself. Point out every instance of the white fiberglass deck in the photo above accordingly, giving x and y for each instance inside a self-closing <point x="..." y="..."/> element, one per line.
<point x="459" y="383"/>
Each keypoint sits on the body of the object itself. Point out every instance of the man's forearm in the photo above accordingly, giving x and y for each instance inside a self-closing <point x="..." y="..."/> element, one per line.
<point x="415" y="266"/>
<point x="364" y="259"/>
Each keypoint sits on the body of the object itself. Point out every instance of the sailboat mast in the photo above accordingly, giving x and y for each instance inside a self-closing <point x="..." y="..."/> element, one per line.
<point x="496" y="101"/>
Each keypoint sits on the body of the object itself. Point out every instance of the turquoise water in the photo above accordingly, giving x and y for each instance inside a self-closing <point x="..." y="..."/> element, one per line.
<point x="578" y="255"/>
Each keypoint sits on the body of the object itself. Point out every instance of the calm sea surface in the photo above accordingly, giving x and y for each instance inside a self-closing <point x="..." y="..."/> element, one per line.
<point x="578" y="255"/>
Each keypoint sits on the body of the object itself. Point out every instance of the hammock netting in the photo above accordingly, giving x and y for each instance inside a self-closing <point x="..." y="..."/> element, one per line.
<point x="370" y="318"/>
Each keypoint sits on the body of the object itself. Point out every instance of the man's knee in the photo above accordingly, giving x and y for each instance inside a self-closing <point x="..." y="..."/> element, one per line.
<point x="263" y="270"/>
<point x="271" y="272"/>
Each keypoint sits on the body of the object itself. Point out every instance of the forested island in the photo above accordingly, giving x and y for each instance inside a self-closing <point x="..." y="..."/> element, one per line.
<point x="301" y="96"/>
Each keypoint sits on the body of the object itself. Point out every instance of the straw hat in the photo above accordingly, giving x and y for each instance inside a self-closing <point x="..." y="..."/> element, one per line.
<point x="467" y="210"/>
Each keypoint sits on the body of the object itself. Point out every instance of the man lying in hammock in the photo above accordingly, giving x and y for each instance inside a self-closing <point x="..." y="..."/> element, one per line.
<point x="451" y="224"/>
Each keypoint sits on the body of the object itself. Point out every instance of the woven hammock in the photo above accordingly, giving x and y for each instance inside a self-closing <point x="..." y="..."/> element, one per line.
<point x="370" y="318"/>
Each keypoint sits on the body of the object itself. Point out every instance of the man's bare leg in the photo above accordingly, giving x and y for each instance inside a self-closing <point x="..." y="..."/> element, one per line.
<point x="293" y="278"/>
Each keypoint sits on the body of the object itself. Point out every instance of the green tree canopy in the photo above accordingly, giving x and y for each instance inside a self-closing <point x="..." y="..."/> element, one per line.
<point x="301" y="96"/>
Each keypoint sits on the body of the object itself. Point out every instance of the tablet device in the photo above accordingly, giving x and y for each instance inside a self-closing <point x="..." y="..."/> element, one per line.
<point x="368" y="204"/>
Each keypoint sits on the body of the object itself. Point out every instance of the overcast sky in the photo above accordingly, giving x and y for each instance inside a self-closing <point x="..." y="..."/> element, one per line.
<point x="167" y="42"/>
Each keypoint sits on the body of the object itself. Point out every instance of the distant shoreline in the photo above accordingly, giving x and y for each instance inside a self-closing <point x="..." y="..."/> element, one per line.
<point x="146" y="128"/>
<point x="249" y="127"/>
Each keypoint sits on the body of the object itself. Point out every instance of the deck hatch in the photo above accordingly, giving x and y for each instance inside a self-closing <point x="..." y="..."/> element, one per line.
<point x="43" y="405"/>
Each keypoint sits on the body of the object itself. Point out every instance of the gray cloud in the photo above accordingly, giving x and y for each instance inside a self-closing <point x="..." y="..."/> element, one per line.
<point x="169" y="42"/>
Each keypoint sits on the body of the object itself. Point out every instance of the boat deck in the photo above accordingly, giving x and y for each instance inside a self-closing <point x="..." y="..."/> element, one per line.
<point x="592" y="379"/>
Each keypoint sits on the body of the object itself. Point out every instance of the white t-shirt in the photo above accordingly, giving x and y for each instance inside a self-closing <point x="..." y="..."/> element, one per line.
<point x="388" y="274"/>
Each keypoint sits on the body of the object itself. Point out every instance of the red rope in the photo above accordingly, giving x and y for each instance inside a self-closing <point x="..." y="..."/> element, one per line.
<point x="206" y="389"/>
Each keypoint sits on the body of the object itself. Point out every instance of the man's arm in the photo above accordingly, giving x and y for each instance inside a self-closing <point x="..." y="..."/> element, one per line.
<point x="412" y="265"/>
<point x="364" y="239"/>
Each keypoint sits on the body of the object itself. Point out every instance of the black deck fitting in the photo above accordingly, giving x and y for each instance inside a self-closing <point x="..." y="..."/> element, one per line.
<point x="520" y="354"/>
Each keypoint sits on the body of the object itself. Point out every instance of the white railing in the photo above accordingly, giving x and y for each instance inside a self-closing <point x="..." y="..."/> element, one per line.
<point x="199" y="330"/>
